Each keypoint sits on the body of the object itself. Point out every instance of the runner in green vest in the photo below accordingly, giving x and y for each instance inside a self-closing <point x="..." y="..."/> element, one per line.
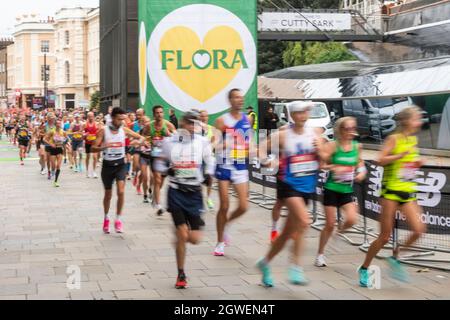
<point x="400" y="159"/>
<point x="346" y="166"/>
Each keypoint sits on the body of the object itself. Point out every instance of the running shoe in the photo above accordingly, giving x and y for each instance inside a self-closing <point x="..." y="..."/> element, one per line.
<point x="296" y="276"/>
<point x="118" y="226"/>
<point x="210" y="204"/>
<point x="49" y="176"/>
<point x="160" y="209"/>
<point x="106" y="226"/>
<point x="56" y="184"/>
<point x="95" y="176"/>
<point x="22" y="163"/>
<point x="320" y="261"/>
<point x="267" y="279"/>
<point x="75" y="169"/>
<point x="146" y="199"/>
<point x="139" y="190"/>
<point x="43" y="172"/>
<point x="135" y="181"/>
<point x="65" y="161"/>
<point x="227" y="239"/>
<point x="273" y="236"/>
<point x="181" y="282"/>
<point x="220" y="250"/>
<point x="397" y="271"/>
<point x="363" y="277"/>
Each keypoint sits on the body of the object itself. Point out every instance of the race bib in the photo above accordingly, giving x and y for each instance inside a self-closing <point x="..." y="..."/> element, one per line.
<point x="346" y="175"/>
<point x="304" y="165"/>
<point x="59" y="139"/>
<point x="185" y="170"/>
<point x="78" y="136"/>
<point x="239" y="154"/>
<point x="408" y="172"/>
<point x="23" y="133"/>
<point x="91" y="137"/>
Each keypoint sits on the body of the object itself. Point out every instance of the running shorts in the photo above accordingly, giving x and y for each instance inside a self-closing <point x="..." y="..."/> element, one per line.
<point x="145" y="160"/>
<point x="285" y="191"/>
<point x="400" y="197"/>
<point x="186" y="208"/>
<point x="24" y="143"/>
<point x="76" y="145"/>
<point x="232" y="174"/>
<point x="56" y="151"/>
<point x="88" y="148"/>
<point x="336" y="199"/>
<point x="113" y="171"/>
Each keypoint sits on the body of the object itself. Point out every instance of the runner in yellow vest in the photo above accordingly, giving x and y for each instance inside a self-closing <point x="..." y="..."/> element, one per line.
<point x="400" y="159"/>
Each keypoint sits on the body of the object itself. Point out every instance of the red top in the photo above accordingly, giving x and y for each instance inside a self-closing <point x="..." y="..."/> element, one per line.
<point x="91" y="133"/>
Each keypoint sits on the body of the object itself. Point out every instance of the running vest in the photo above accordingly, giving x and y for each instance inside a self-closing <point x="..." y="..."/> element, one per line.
<point x="23" y="133"/>
<point x="77" y="136"/>
<point x="91" y="131"/>
<point x="401" y="174"/>
<point x="157" y="137"/>
<point x="117" y="141"/>
<point x="236" y="142"/>
<point x="255" y="116"/>
<point x="299" y="164"/>
<point x="347" y="162"/>
<point x="57" y="138"/>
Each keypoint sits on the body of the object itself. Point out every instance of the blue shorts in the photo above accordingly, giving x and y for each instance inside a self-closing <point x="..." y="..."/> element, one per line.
<point x="232" y="174"/>
<point x="186" y="208"/>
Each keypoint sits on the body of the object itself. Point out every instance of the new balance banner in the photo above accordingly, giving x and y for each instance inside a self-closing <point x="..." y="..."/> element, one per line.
<point x="193" y="52"/>
<point x="433" y="194"/>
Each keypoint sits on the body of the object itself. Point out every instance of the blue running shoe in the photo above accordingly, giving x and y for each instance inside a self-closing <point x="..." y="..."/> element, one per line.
<point x="296" y="276"/>
<point x="363" y="277"/>
<point x="397" y="271"/>
<point x="267" y="280"/>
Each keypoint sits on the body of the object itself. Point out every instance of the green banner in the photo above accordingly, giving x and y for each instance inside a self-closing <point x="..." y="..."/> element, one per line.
<point x="193" y="52"/>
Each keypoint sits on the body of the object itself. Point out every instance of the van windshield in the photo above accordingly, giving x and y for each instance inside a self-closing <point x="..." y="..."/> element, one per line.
<point x="319" y="111"/>
<point x="384" y="103"/>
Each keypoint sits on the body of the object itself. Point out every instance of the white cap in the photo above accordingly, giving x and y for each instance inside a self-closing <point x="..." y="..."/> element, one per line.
<point x="300" y="106"/>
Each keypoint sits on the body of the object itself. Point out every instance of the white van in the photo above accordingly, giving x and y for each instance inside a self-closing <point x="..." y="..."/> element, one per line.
<point x="319" y="117"/>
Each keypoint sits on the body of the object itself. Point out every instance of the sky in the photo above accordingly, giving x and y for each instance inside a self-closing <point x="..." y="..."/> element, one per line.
<point x="43" y="7"/>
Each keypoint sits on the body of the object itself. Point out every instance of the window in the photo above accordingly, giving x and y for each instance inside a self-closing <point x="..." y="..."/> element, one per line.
<point x="67" y="69"/>
<point x="69" y="101"/>
<point x="45" y="46"/>
<point x="67" y="34"/>
<point x="43" y="73"/>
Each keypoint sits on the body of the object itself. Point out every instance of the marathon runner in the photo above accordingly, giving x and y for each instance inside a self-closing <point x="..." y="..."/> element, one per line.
<point x="160" y="129"/>
<point x="190" y="163"/>
<point x="77" y="142"/>
<point x="24" y="137"/>
<point x="90" y="129"/>
<point x="343" y="158"/>
<point x="300" y="152"/>
<point x="55" y="140"/>
<point x="111" y="141"/>
<point x="49" y="128"/>
<point x="232" y="166"/>
<point x="146" y="161"/>
<point x="401" y="160"/>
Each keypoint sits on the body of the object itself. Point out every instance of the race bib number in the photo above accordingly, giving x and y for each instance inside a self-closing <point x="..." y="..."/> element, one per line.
<point x="239" y="154"/>
<point x="304" y="165"/>
<point x="186" y="170"/>
<point x="78" y="136"/>
<point x="408" y="172"/>
<point x="23" y="133"/>
<point x="345" y="175"/>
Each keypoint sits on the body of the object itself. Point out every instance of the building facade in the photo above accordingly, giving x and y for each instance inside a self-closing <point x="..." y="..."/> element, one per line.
<point x="68" y="46"/>
<point x="4" y="42"/>
<point x="33" y="49"/>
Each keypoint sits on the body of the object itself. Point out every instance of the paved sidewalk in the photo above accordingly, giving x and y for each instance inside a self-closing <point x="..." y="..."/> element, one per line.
<point x="44" y="230"/>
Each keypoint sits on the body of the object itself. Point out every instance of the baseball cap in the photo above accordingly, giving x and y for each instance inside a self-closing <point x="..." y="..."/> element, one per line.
<point x="300" y="106"/>
<point x="191" y="116"/>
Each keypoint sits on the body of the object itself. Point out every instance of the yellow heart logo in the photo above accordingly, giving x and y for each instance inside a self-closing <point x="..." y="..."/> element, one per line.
<point x="202" y="70"/>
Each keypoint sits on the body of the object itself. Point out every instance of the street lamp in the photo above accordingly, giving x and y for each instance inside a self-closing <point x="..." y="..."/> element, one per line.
<point x="46" y="78"/>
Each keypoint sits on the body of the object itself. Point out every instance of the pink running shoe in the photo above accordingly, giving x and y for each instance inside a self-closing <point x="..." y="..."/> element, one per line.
<point x="219" y="251"/>
<point x="106" y="226"/>
<point x="139" y="190"/>
<point x="119" y="226"/>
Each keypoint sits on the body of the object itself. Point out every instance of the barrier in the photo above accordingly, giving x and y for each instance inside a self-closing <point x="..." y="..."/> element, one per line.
<point x="433" y="196"/>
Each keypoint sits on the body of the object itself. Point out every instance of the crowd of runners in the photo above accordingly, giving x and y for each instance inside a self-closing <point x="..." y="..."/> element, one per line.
<point x="150" y="152"/>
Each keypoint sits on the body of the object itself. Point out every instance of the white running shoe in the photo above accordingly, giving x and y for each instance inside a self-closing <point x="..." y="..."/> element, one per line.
<point x="95" y="176"/>
<point x="320" y="261"/>
<point x="220" y="250"/>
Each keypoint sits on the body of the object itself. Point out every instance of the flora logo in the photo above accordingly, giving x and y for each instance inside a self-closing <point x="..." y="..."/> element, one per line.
<point x="195" y="55"/>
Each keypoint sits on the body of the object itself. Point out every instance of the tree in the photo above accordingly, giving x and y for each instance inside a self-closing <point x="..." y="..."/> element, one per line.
<point x="270" y="56"/>
<point x="95" y="100"/>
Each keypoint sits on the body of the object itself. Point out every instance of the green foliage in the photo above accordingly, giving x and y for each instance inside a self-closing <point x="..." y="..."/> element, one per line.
<point x="270" y="56"/>
<point x="297" y="53"/>
<point x="95" y="101"/>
